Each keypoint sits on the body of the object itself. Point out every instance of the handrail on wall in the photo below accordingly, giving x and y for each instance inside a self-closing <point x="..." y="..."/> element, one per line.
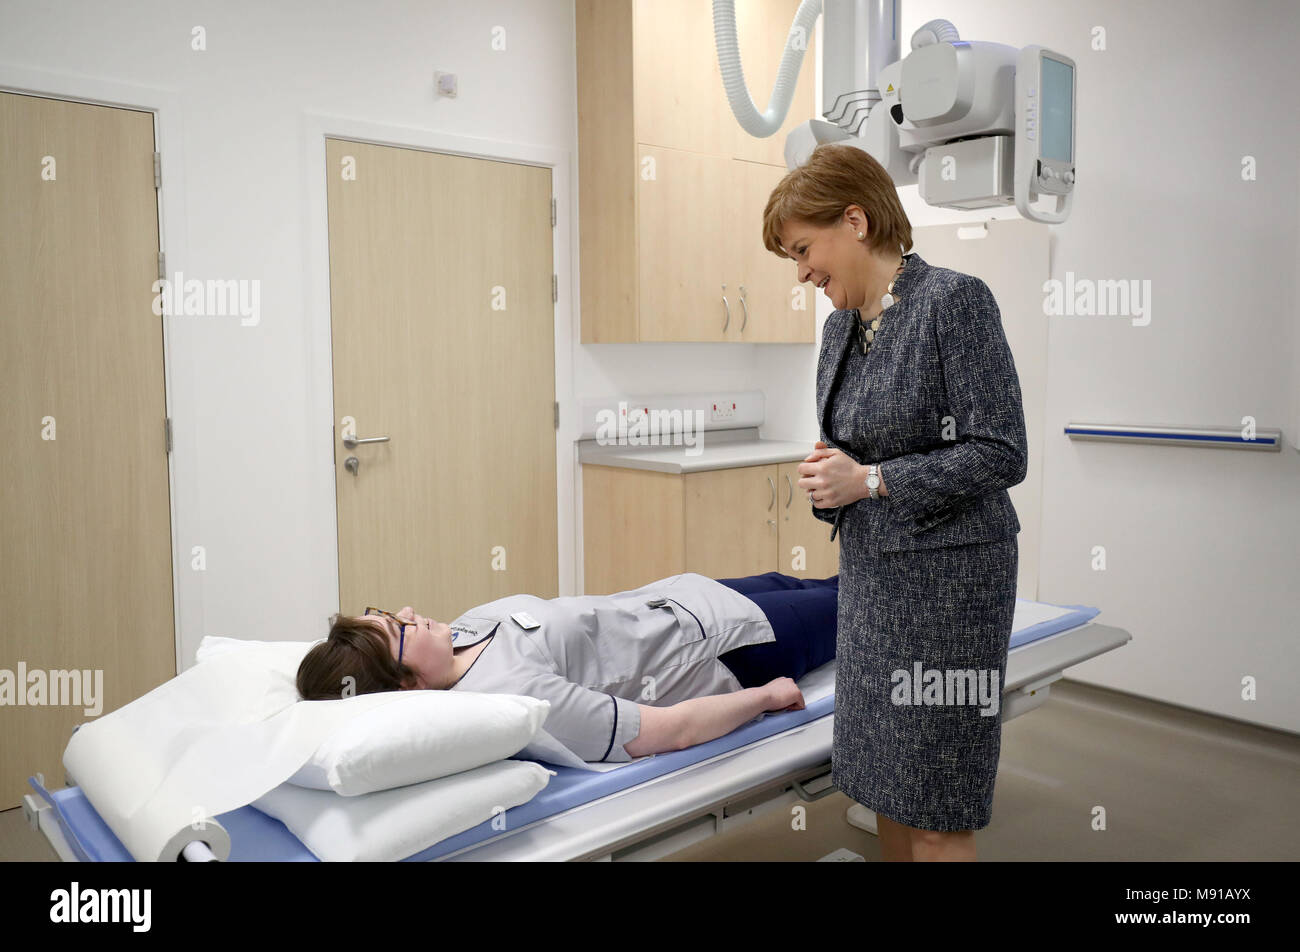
<point x="1219" y="437"/>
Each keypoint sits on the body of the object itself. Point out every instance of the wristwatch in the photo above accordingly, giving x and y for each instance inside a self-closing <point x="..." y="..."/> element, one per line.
<point x="873" y="479"/>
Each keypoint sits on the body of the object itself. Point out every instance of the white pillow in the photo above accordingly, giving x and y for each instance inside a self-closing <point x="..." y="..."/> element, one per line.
<point x="423" y="736"/>
<point x="285" y="655"/>
<point x="393" y="824"/>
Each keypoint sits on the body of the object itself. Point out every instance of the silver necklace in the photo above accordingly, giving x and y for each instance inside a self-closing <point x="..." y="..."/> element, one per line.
<point x="867" y="334"/>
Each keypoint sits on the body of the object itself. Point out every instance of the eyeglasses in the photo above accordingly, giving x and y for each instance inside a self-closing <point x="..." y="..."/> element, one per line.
<point x="401" y="627"/>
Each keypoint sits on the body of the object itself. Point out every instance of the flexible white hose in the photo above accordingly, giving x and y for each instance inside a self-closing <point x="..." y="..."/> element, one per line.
<point x="751" y="120"/>
<point x="936" y="31"/>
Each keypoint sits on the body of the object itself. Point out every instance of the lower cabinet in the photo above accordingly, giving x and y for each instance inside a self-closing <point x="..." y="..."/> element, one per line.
<point x="640" y="525"/>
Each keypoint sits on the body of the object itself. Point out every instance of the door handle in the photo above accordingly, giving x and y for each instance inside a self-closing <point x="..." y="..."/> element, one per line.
<point x="352" y="442"/>
<point x="744" y="308"/>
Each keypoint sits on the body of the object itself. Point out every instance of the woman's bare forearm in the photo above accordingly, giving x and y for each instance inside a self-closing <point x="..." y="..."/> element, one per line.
<point x="707" y="718"/>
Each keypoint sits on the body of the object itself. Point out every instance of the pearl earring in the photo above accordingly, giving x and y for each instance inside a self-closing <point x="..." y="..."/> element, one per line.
<point x="861" y="236"/>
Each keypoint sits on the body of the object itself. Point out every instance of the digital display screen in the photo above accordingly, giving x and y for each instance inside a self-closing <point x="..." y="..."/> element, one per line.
<point x="1056" y="124"/>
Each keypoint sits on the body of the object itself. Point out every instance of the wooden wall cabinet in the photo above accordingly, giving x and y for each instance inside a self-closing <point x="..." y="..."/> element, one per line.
<point x="671" y="189"/>
<point x="640" y="525"/>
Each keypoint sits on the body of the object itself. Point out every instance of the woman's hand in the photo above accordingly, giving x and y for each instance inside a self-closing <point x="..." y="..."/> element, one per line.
<point x="832" y="476"/>
<point x="783" y="695"/>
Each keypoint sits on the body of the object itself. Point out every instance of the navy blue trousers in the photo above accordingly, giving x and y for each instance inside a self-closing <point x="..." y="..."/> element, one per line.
<point x="803" y="613"/>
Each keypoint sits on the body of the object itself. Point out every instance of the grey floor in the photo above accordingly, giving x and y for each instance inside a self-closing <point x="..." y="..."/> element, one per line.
<point x="1175" y="785"/>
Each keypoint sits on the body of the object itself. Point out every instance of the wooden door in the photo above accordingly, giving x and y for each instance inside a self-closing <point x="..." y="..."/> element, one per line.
<point x="632" y="528"/>
<point x="444" y="342"/>
<point x="680" y="102"/>
<point x="85" y="549"/>
<point x="801" y="530"/>
<point x="732" y="521"/>
<point x="686" y="251"/>
<point x="769" y="281"/>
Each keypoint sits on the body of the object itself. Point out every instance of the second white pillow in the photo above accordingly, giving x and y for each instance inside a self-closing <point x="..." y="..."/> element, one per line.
<point x="424" y="736"/>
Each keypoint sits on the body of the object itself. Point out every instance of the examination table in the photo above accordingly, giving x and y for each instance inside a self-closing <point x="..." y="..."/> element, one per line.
<point x="652" y="806"/>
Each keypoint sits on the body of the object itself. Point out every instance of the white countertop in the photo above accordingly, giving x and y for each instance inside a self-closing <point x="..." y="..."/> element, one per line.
<point x="715" y="449"/>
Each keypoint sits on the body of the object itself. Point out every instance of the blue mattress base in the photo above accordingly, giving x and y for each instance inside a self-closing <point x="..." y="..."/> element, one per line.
<point x="256" y="837"/>
<point x="1076" y="616"/>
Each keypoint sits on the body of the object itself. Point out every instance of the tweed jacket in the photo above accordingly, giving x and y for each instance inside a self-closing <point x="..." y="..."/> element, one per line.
<point x="942" y="414"/>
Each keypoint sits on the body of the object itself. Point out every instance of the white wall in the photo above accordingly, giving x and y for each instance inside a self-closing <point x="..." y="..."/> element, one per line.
<point x="1200" y="544"/>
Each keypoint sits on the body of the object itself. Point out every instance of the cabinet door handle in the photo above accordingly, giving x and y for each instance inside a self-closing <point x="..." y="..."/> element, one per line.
<point x="728" y="307"/>
<point x="791" y="485"/>
<point x="744" y="310"/>
<point x="771" y="483"/>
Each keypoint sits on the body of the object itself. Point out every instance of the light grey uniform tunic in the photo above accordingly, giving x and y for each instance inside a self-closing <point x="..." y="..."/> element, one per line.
<point x="596" y="657"/>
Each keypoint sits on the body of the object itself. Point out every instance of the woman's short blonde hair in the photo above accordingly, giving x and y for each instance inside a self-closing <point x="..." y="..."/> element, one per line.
<point x="835" y="177"/>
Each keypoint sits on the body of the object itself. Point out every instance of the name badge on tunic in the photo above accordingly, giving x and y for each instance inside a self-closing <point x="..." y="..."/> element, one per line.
<point x="525" y="621"/>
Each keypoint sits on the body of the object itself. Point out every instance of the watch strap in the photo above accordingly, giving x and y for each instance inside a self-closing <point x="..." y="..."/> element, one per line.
<point x="873" y="469"/>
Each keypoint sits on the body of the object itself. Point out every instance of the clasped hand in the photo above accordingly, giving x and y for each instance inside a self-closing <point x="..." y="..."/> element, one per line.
<point x="832" y="476"/>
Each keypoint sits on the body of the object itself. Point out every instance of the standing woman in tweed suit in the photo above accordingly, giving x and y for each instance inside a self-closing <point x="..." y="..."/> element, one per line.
<point x="919" y="407"/>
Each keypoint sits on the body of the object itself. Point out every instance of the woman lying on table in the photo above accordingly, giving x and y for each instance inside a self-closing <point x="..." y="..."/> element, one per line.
<point x="675" y="663"/>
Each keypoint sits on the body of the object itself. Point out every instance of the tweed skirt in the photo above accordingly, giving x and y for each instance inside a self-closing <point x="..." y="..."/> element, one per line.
<point x="921" y="655"/>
